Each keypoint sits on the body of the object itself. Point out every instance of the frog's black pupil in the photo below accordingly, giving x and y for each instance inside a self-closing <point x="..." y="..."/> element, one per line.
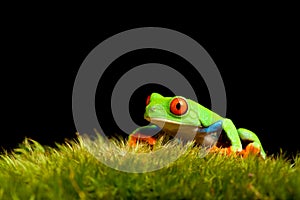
<point x="178" y="106"/>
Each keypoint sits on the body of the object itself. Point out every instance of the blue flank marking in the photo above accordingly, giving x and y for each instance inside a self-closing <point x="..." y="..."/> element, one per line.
<point x="217" y="126"/>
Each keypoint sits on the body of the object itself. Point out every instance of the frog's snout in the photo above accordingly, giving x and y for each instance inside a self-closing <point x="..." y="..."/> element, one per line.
<point x="155" y="108"/>
<point x="155" y="111"/>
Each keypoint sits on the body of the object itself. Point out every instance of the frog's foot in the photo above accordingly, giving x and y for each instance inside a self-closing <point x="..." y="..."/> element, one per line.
<point x="137" y="137"/>
<point x="255" y="145"/>
<point x="223" y="151"/>
<point x="252" y="148"/>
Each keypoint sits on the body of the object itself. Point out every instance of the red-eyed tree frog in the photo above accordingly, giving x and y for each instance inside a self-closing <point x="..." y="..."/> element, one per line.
<point x="187" y="120"/>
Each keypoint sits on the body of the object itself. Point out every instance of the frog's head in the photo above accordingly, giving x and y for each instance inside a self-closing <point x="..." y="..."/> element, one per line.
<point x="171" y="112"/>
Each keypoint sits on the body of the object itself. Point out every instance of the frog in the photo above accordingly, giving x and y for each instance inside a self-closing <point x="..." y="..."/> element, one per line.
<point x="187" y="120"/>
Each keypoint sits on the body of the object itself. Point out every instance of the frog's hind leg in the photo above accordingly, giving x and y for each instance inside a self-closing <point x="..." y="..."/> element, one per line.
<point x="254" y="146"/>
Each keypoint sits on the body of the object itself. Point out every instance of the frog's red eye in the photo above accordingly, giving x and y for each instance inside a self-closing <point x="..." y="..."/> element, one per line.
<point x="178" y="106"/>
<point x="148" y="100"/>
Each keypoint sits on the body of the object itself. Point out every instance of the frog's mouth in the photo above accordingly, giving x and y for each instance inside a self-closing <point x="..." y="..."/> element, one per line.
<point x="172" y="126"/>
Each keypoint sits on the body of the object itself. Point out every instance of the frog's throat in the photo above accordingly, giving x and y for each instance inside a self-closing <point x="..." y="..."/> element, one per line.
<point x="185" y="132"/>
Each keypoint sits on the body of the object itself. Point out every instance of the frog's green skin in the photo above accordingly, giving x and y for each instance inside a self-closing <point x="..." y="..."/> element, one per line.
<point x="196" y="119"/>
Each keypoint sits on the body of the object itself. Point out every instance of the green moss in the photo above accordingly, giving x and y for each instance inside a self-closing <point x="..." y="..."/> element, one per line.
<point x="69" y="171"/>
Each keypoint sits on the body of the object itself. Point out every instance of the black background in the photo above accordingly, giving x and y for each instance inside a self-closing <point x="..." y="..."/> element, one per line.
<point x="257" y="59"/>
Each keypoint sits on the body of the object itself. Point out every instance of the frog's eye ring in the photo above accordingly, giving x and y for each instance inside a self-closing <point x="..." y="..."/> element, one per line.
<point x="148" y="100"/>
<point x="178" y="106"/>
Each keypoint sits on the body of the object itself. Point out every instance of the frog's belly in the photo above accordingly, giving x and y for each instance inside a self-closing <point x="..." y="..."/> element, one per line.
<point x="187" y="132"/>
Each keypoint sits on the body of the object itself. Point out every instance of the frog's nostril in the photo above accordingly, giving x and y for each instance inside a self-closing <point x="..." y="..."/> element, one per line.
<point x="155" y="108"/>
<point x="152" y="109"/>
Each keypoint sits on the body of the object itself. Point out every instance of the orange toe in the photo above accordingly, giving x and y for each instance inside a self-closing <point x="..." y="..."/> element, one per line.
<point x="140" y="137"/>
<point x="250" y="149"/>
<point x="223" y="151"/>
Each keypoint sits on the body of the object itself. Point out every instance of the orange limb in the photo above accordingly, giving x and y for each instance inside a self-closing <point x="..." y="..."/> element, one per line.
<point x="134" y="138"/>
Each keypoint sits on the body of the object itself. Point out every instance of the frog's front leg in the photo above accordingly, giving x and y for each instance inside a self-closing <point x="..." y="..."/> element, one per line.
<point x="143" y="134"/>
<point x="232" y="134"/>
<point x="236" y="134"/>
